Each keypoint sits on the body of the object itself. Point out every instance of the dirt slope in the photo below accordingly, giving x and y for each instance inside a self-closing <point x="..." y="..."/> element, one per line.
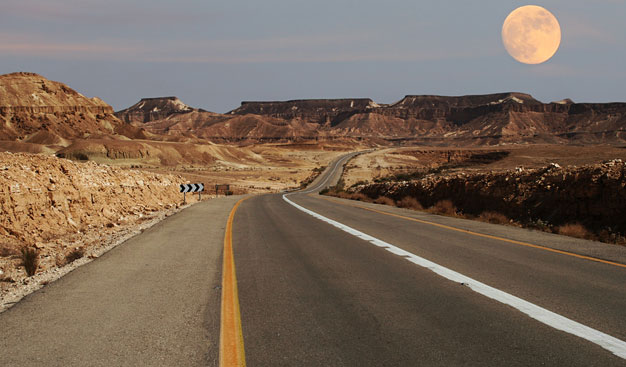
<point x="48" y="203"/>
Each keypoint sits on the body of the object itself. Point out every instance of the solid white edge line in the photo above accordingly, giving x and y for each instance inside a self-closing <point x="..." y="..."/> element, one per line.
<point x="612" y="344"/>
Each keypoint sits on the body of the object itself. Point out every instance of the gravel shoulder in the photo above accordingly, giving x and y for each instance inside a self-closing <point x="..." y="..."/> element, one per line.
<point x="153" y="300"/>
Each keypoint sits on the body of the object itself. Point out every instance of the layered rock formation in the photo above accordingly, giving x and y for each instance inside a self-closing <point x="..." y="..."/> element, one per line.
<point x="319" y="111"/>
<point x="30" y="104"/>
<point x="150" y="109"/>
<point x="465" y="120"/>
<point x="44" y="197"/>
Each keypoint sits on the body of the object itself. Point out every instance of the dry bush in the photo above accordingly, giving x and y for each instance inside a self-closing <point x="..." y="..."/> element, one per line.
<point x="410" y="202"/>
<point x="493" y="217"/>
<point x="384" y="201"/>
<point x="343" y="195"/>
<point x="360" y="197"/>
<point x="611" y="237"/>
<point x="575" y="230"/>
<point x="30" y="260"/>
<point x="444" y="207"/>
<point x="74" y="255"/>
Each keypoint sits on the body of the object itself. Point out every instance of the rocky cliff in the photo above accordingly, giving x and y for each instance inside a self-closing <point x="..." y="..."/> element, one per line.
<point x="320" y="111"/>
<point x="30" y="103"/>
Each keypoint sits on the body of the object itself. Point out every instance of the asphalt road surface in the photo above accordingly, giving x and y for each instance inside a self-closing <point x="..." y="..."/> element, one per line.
<point x="152" y="301"/>
<point x="328" y="282"/>
<point x="312" y="294"/>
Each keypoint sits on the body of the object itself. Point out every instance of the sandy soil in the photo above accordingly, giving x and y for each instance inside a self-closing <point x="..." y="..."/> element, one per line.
<point x="278" y="167"/>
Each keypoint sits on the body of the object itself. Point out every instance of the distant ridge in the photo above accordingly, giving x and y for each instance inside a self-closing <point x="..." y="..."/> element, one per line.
<point x="35" y="111"/>
<point x="509" y="117"/>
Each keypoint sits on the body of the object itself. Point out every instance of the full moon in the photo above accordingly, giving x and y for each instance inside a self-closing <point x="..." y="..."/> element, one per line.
<point x="531" y="34"/>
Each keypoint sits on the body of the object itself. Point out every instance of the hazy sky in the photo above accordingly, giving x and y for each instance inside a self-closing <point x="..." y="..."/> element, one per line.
<point x="214" y="54"/>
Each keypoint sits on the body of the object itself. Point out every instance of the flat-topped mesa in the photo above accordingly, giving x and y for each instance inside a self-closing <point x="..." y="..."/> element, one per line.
<point x="433" y="101"/>
<point x="313" y="110"/>
<point x="151" y="109"/>
<point x="462" y="109"/>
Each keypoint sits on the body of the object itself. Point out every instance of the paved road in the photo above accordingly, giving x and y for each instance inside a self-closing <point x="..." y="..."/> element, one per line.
<point x="312" y="294"/>
<point x="152" y="301"/>
<point x="358" y="285"/>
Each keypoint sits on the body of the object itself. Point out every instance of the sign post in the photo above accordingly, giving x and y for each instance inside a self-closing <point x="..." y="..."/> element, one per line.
<point x="225" y="188"/>
<point x="185" y="188"/>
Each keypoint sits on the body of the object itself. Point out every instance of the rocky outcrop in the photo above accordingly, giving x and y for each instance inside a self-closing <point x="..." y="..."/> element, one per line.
<point x="66" y="210"/>
<point x="30" y="103"/>
<point x="593" y="195"/>
<point x="319" y="111"/>
<point x="45" y="197"/>
<point x="151" y="109"/>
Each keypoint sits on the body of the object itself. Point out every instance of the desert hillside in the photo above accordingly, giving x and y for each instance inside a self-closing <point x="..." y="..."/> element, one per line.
<point x="36" y="110"/>
<point x="57" y="206"/>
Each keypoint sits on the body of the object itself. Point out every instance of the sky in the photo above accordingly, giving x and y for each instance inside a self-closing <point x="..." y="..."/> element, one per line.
<point x="213" y="54"/>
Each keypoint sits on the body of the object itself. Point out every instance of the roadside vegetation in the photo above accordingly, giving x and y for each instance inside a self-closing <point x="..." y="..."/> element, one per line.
<point x="389" y="191"/>
<point x="30" y="260"/>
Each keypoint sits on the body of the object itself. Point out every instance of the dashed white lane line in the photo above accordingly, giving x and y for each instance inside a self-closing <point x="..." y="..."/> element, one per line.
<point x="612" y="344"/>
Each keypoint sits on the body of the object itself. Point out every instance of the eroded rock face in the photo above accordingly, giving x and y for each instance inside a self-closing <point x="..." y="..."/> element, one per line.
<point x="66" y="211"/>
<point x="30" y="103"/>
<point x="151" y="109"/>
<point x="593" y="195"/>
<point x="320" y="111"/>
<point x="43" y="197"/>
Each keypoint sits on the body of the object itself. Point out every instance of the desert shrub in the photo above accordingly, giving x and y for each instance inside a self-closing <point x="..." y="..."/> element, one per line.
<point x="74" y="255"/>
<point x="385" y="201"/>
<point x="409" y="202"/>
<point x="609" y="236"/>
<point x="228" y="193"/>
<point x="30" y="260"/>
<point x="575" y="230"/>
<point x="325" y="191"/>
<point x="360" y="197"/>
<point x="493" y="217"/>
<point x="445" y="207"/>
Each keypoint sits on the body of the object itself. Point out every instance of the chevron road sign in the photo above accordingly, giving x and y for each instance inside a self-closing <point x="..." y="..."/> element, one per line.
<point x="191" y="187"/>
<point x="185" y="188"/>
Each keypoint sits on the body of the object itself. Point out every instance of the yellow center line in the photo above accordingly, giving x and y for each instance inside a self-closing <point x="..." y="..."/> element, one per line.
<point x="481" y="234"/>
<point x="231" y="334"/>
